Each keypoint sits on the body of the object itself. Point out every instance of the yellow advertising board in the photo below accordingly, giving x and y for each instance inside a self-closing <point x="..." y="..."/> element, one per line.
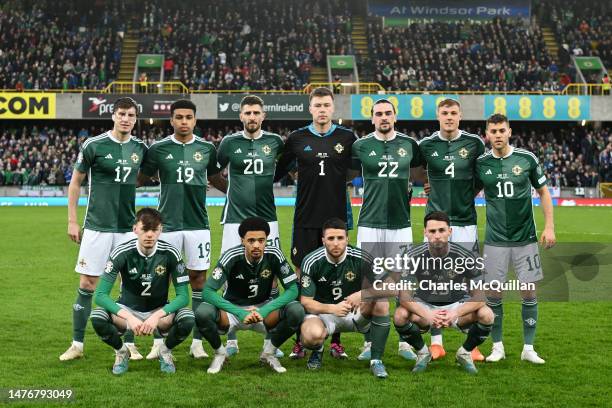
<point x="27" y="105"/>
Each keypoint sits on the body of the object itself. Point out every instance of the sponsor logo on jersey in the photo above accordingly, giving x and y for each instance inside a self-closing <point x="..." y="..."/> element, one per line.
<point x="134" y="157"/>
<point x="502" y="176"/>
<point x="305" y="281"/>
<point x="217" y="273"/>
<point x="308" y="149"/>
<point x="372" y="153"/>
<point x="449" y="158"/>
<point x="402" y="152"/>
<point x="463" y="153"/>
<point x="108" y="156"/>
<point x="350" y="276"/>
<point x="265" y="273"/>
<point x="109" y="267"/>
<point x="160" y="270"/>
<point x="322" y="155"/>
<point x="197" y="156"/>
<point x="489" y="172"/>
<point x="169" y="157"/>
<point x="339" y="148"/>
<point x="133" y="272"/>
<point x="240" y="277"/>
<point x="266" y="149"/>
<point x="238" y="151"/>
<point x="322" y="279"/>
<point x="517" y="170"/>
<point x="434" y="154"/>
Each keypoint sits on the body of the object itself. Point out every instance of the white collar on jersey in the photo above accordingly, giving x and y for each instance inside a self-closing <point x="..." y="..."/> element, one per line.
<point x="143" y="255"/>
<point x="342" y="258"/>
<point x="508" y="155"/>
<point x="259" y="135"/>
<point x="114" y="139"/>
<point x="385" y="140"/>
<point x="173" y="138"/>
<point x="459" y="132"/>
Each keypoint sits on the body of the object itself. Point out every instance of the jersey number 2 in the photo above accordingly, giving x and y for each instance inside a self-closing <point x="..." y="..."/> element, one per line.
<point x="146" y="289"/>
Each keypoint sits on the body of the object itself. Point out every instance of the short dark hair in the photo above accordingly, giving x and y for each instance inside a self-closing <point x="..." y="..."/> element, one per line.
<point x="383" y="100"/>
<point x="182" y="104"/>
<point x="125" y="102"/>
<point x="333" y="223"/>
<point x="449" y="102"/>
<point x="497" y="118"/>
<point x="320" y="93"/>
<point x="253" y="224"/>
<point x="151" y="218"/>
<point x="251" y="100"/>
<point x="436" y="216"/>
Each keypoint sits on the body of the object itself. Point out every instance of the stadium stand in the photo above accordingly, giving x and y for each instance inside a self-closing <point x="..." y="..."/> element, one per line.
<point x="60" y="44"/>
<point x="572" y="156"/>
<point x="261" y="45"/>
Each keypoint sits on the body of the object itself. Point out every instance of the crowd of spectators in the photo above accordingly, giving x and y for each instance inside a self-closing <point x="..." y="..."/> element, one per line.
<point x="571" y="156"/>
<point x="262" y="44"/>
<point x="58" y="44"/>
<point x="501" y="55"/>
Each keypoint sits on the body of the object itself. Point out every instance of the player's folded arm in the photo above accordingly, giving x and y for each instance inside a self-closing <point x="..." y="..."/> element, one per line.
<point x="315" y="307"/>
<point x="102" y="296"/>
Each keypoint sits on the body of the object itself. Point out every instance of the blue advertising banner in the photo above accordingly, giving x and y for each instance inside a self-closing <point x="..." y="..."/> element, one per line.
<point x="408" y="107"/>
<point x="539" y="107"/>
<point x="448" y="9"/>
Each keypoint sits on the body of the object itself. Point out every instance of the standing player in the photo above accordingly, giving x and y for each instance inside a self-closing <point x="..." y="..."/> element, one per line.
<point x="184" y="163"/>
<point x="507" y="174"/>
<point x="323" y="154"/>
<point x="251" y="159"/>
<point x="385" y="158"/>
<point x="146" y="266"/>
<point x="444" y="297"/>
<point x="249" y="270"/>
<point x="450" y="156"/>
<point x="332" y="280"/>
<point x="111" y="162"/>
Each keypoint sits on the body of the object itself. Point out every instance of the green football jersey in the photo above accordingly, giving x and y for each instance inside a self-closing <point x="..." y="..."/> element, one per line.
<point x="145" y="280"/>
<point x="330" y="283"/>
<point x="112" y="169"/>
<point x="249" y="284"/>
<point x="183" y="172"/>
<point x="507" y="185"/>
<point x="450" y="170"/>
<point x="251" y="166"/>
<point x="385" y="167"/>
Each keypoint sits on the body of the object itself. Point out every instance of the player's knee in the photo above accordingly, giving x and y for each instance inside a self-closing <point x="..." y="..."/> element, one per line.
<point x="381" y="308"/>
<point x="88" y="282"/>
<point x="185" y="320"/>
<point x="205" y="314"/>
<point x="486" y="315"/>
<point x="196" y="279"/>
<point x="294" y="315"/>
<point x="99" y="320"/>
<point x="400" y="317"/>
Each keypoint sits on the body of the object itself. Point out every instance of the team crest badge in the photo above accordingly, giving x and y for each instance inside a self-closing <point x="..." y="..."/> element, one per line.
<point x="517" y="170"/>
<point x="180" y="268"/>
<point x="285" y="269"/>
<point x="350" y="276"/>
<point x="339" y="148"/>
<point x="134" y="157"/>
<point x="109" y="267"/>
<point x="463" y="153"/>
<point x="539" y="170"/>
<point x="217" y="273"/>
<point x="266" y="149"/>
<point x="82" y="263"/>
<point x="402" y="152"/>
<point x="294" y="251"/>
<point x="305" y="281"/>
<point x="160" y="270"/>
<point x="197" y="156"/>
<point x="265" y="273"/>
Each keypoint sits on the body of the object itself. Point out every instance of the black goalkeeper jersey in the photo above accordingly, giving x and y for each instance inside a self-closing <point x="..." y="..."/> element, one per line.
<point x="323" y="161"/>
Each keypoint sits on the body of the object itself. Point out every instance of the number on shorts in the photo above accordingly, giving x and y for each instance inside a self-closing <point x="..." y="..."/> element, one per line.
<point x="203" y="248"/>
<point x="536" y="262"/>
<point x="253" y="289"/>
<point x="337" y="292"/>
<point x="146" y="289"/>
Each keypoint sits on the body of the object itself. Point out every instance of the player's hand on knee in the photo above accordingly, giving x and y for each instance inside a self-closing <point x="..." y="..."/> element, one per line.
<point x="342" y="309"/>
<point x="135" y="325"/>
<point x="74" y="231"/>
<point x="354" y="300"/>
<point x="149" y="325"/>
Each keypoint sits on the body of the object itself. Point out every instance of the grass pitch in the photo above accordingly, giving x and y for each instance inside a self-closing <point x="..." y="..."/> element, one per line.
<point x="39" y="286"/>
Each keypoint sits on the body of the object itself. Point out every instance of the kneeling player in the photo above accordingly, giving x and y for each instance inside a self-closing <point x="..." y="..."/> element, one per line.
<point x="442" y="267"/>
<point x="249" y="270"/>
<point x="146" y="266"/>
<point x="332" y="278"/>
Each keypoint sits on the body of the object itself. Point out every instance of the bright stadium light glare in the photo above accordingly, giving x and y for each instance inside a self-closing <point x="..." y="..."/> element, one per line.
<point x="150" y="121"/>
<point x="583" y="123"/>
